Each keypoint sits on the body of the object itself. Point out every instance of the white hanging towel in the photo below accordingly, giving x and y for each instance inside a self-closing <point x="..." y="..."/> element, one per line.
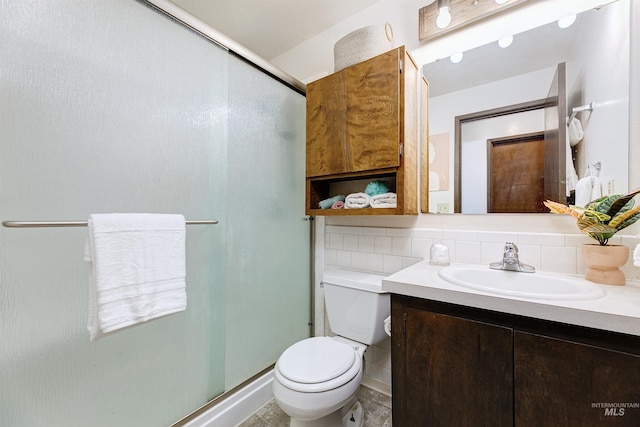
<point x="588" y="189"/>
<point x="574" y="136"/>
<point x="357" y="201"/>
<point x="137" y="269"/>
<point x="636" y="256"/>
<point x="385" y="200"/>
<point x="572" y="176"/>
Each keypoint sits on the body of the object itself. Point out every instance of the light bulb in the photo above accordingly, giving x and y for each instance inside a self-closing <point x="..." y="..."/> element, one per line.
<point x="567" y="21"/>
<point x="505" y="41"/>
<point x="456" y="57"/>
<point x="444" y="17"/>
<point x="501" y="1"/>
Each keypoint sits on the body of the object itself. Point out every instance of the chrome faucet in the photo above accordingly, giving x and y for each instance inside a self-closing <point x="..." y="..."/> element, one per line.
<point x="511" y="261"/>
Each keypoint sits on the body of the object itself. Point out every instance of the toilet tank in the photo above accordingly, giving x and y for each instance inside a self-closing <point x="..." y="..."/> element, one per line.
<point x="356" y="304"/>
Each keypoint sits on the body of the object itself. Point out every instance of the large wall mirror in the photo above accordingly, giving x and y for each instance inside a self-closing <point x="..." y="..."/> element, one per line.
<point x="500" y="113"/>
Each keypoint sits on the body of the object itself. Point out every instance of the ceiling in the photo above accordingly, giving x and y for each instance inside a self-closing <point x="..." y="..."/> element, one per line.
<point x="271" y="27"/>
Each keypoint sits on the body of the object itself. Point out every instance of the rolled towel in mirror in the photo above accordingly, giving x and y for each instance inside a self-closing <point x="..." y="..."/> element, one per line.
<point x="357" y="201"/>
<point x="338" y="205"/>
<point x="575" y="132"/>
<point x="583" y="191"/>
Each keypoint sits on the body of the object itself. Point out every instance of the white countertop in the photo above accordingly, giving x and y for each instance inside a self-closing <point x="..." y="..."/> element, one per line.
<point x="618" y="310"/>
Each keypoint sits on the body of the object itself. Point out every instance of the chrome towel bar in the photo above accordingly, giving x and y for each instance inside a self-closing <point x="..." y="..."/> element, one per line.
<point x="35" y="224"/>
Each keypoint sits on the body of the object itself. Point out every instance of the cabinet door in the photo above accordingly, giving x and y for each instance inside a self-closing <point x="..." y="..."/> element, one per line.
<point x="562" y="383"/>
<point x="374" y="112"/>
<point x="327" y="152"/>
<point x="354" y="118"/>
<point x="456" y="372"/>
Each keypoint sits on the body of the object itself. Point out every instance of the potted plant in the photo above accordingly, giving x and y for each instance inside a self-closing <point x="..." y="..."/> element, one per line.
<point x="601" y="219"/>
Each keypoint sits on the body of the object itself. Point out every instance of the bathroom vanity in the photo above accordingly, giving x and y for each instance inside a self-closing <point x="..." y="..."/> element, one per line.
<point x="465" y="357"/>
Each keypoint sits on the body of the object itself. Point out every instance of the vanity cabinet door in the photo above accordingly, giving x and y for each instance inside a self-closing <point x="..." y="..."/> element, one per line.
<point x="449" y="371"/>
<point x="563" y="383"/>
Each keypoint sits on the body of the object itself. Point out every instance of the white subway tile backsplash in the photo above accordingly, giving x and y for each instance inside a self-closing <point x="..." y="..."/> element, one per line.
<point x="351" y="230"/>
<point x="374" y="231"/>
<point x="468" y="252"/>
<point x="343" y="258"/>
<point x="366" y="244"/>
<point x="401" y="246"/>
<point x="427" y="233"/>
<point x="460" y="235"/>
<point x="420" y="247"/>
<point x="491" y="252"/>
<point x="399" y="232"/>
<point x="350" y="242"/>
<point x="335" y="241"/>
<point x="497" y="237"/>
<point x="559" y="259"/>
<point x="375" y="263"/>
<point x="359" y="260"/>
<point x="541" y="239"/>
<point x="383" y="245"/>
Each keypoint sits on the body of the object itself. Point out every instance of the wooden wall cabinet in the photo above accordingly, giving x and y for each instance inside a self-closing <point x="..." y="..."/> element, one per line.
<point x="362" y="125"/>
<point x="461" y="366"/>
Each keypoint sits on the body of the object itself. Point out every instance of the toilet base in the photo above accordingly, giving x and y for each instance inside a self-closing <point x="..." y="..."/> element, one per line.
<point x="350" y="415"/>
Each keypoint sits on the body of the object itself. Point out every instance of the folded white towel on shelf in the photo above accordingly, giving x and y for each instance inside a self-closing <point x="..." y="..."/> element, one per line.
<point x="137" y="269"/>
<point x="357" y="201"/>
<point x="385" y="200"/>
<point x="636" y="256"/>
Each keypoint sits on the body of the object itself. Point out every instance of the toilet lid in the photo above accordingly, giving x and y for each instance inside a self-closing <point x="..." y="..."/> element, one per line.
<point x="316" y="360"/>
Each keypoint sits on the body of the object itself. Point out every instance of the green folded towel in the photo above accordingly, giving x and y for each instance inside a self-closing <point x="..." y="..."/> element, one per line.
<point x="326" y="203"/>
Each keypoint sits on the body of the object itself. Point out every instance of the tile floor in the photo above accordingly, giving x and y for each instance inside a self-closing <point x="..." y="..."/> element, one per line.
<point x="377" y="412"/>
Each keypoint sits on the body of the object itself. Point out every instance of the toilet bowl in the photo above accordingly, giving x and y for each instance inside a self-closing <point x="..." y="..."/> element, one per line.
<point x="316" y="380"/>
<point x="317" y="377"/>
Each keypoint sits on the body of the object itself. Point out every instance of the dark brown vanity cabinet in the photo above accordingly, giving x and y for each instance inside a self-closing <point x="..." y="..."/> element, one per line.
<point x="462" y="366"/>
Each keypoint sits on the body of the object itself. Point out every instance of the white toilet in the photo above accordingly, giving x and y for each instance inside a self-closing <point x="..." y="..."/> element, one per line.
<point x="316" y="380"/>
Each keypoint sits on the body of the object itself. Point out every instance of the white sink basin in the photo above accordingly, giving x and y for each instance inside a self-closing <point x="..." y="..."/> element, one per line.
<point x="538" y="285"/>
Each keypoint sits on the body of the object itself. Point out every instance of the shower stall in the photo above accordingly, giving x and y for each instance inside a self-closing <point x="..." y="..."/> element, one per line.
<point x="116" y="107"/>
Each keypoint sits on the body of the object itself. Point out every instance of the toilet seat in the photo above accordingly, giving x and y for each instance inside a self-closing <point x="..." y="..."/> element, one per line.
<point x="317" y="364"/>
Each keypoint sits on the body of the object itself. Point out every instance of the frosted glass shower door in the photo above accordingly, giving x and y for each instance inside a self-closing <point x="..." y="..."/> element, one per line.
<point x="268" y="280"/>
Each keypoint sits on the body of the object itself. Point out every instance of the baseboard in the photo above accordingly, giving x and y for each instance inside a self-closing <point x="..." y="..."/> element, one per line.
<point x="236" y="408"/>
<point x="376" y="385"/>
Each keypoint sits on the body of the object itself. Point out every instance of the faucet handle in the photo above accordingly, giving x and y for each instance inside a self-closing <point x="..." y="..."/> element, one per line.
<point x="510" y="248"/>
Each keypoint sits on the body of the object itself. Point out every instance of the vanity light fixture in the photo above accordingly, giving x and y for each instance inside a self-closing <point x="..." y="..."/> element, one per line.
<point x="441" y="17"/>
<point x="444" y="14"/>
<point x="456" y="57"/>
<point x="505" y="41"/>
<point x="567" y="21"/>
<point x="501" y="1"/>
